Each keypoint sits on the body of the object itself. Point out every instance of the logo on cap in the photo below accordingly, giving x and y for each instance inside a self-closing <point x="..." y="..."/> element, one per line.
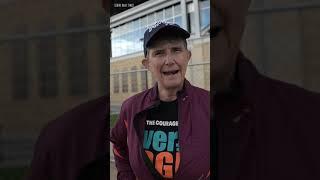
<point x="158" y="24"/>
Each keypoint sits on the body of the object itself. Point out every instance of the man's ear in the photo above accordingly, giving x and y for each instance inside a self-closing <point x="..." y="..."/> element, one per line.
<point x="189" y="55"/>
<point x="145" y="63"/>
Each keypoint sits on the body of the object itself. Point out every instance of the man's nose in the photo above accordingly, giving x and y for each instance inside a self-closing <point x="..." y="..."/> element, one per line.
<point x="169" y="59"/>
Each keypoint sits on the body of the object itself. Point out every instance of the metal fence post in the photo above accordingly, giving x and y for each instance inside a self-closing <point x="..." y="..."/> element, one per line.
<point x="146" y="79"/>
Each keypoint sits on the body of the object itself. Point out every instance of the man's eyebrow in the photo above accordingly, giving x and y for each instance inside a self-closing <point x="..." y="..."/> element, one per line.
<point x="158" y="50"/>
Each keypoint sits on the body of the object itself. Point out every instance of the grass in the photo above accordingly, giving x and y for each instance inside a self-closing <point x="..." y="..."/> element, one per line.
<point x="113" y="119"/>
<point x="17" y="173"/>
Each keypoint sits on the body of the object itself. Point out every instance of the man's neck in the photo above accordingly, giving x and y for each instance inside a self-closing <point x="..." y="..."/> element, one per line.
<point x="168" y="94"/>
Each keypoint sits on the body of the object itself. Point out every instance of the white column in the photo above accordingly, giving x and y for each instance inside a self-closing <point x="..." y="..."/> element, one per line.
<point x="197" y="17"/>
<point x="184" y="13"/>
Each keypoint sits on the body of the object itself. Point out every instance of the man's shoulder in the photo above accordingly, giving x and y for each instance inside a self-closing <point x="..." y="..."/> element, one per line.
<point x="70" y="135"/>
<point x="94" y="107"/>
<point x="265" y="86"/>
<point x="90" y="113"/>
<point x="290" y="88"/>
<point x="288" y="92"/>
<point x="136" y="98"/>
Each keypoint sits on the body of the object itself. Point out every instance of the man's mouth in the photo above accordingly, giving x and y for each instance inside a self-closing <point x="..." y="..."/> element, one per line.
<point x="170" y="72"/>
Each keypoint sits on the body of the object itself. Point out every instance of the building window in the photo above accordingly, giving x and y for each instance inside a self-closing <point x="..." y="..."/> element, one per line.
<point x="168" y="14"/>
<point x="177" y="9"/>
<point x="48" y="82"/>
<point x="20" y="65"/>
<point x="77" y="59"/>
<point x="126" y="38"/>
<point x="204" y="13"/>
<point x="116" y="81"/>
<point x="125" y="81"/>
<point x="134" y="79"/>
<point x="159" y="15"/>
<point x="151" y="19"/>
<point x="144" y="21"/>
<point x="177" y="14"/>
<point x="143" y="75"/>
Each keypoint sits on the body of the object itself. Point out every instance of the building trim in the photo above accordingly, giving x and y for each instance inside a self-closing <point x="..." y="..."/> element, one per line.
<point x="139" y="11"/>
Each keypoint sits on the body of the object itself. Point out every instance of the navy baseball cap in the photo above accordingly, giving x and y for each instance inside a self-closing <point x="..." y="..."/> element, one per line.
<point x="160" y="27"/>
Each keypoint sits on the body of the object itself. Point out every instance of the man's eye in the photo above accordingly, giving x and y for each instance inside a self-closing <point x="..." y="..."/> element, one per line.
<point x="158" y="53"/>
<point x="177" y="50"/>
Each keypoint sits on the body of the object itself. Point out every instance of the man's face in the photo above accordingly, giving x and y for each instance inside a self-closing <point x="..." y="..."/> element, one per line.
<point x="167" y="61"/>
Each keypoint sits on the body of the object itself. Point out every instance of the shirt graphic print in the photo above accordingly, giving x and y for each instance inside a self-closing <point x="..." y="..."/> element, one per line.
<point x="161" y="138"/>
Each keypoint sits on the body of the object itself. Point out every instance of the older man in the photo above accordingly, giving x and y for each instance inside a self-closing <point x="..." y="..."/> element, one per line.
<point x="266" y="129"/>
<point x="164" y="132"/>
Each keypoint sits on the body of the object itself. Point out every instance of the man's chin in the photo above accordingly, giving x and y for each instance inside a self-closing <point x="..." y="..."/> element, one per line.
<point x="172" y="85"/>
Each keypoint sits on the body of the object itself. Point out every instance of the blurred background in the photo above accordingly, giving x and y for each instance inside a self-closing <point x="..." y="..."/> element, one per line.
<point x="53" y="56"/>
<point x="282" y="39"/>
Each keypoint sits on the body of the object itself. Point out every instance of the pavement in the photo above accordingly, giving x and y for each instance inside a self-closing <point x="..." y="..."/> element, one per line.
<point x="113" y="170"/>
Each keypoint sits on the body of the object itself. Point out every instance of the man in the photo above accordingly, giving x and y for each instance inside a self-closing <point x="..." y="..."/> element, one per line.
<point x="164" y="132"/>
<point x="266" y="129"/>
